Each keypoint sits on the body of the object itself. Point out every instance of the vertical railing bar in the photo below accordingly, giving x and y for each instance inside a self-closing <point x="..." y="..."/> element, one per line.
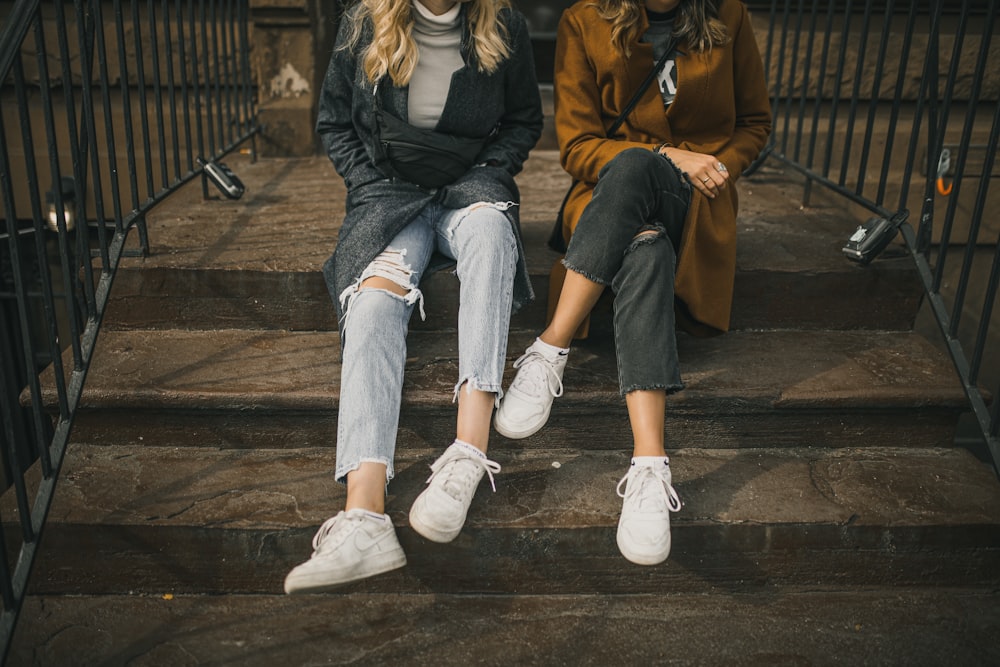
<point x="78" y="178"/>
<point x="820" y="80"/>
<point x="182" y="55"/>
<point x="31" y="355"/>
<point x="27" y="350"/>
<point x="109" y="126"/>
<point x="852" y="114"/>
<point x="140" y="73"/>
<point x="897" y="105"/>
<point x="246" y="83"/>
<point x="930" y="88"/>
<point x="207" y="85"/>
<point x="876" y="97"/>
<point x="780" y="78"/>
<point x="835" y="97"/>
<point x="217" y="80"/>
<point x="161" y="131"/>
<point x="48" y="112"/>
<point x="229" y="47"/>
<point x="771" y="89"/>
<point x="172" y="93"/>
<point x="126" y="92"/>
<point x="196" y="85"/>
<point x="792" y="72"/>
<point x="949" y="92"/>
<point x="84" y="21"/>
<point x="806" y="79"/>
<point x="970" y="119"/>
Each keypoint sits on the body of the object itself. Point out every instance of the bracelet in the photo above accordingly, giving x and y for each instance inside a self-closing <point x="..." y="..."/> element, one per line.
<point x="665" y="144"/>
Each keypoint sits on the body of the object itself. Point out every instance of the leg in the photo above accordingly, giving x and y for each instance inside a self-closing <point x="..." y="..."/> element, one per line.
<point x="647" y="365"/>
<point x="374" y="352"/>
<point x="482" y="242"/>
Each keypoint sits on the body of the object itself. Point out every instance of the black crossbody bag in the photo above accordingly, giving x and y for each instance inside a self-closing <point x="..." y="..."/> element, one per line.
<point x="556" y="240"/>
<point x="424" y="157"/>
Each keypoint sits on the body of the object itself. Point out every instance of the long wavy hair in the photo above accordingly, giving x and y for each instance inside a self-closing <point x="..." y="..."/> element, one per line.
<point x="393" y="51"/>
<point x="697" y="23"/>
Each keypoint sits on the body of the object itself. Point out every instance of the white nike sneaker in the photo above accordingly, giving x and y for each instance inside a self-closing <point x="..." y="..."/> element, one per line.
<point x="350" y="546"/>
<point x="439" y="512"/>
<point x="525" y="407"/>
<point x="649" y="498"/>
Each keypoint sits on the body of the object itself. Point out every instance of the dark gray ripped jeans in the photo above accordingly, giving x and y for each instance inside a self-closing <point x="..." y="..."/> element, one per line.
<point x="638" y="191"/>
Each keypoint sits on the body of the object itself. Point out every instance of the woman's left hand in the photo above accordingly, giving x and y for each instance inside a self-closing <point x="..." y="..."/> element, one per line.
<point x="705" y="172"/>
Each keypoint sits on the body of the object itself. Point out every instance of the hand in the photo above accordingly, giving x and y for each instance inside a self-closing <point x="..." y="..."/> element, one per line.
<point x="705" y="172"/>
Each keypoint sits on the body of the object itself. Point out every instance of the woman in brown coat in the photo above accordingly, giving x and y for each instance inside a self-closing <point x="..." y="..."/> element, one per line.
<point x="652" y="215"/>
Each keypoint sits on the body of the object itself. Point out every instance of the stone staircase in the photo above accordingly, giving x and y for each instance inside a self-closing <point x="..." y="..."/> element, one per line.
<point x="827" y="519"/>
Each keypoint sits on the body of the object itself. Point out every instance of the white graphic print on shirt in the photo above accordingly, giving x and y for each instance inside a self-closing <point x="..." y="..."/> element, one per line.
<point x="667" y="78"/>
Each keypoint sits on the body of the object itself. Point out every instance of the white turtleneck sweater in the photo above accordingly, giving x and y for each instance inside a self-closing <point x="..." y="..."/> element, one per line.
<point x="439" y="40"/>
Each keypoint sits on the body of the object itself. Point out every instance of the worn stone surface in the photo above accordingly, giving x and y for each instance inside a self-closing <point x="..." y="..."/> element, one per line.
<point x="793" y="388"/>
<point x="207" y="520"/>
<point x="772" y="627"/>
<point x="790" y="270"/>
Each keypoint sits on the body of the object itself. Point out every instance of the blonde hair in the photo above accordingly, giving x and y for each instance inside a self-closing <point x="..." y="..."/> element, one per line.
<point x="393" y="51"/>
<point x="697" y="23"/>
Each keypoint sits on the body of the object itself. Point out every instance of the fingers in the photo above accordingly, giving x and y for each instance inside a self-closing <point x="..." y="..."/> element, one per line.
<point x="711" y="179"/>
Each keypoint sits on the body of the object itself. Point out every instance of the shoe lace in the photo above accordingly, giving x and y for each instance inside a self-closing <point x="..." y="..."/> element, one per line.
<point x="459" y="469"/>
<point x="648" y="483"/>
<point x="331" y="529"/>
<point x="535" y="373"/>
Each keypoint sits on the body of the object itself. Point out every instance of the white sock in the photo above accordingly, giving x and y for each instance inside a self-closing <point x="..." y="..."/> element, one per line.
<point x="650" y="461"/>
<point x="470" y="448"/>
<point x="549" y="350"/>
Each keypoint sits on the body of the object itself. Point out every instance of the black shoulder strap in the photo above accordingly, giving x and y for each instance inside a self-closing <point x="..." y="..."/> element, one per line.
<point x="642" y="88"/>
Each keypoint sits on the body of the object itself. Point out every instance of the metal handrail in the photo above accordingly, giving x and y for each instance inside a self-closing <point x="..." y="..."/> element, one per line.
<point x="116" y="108"/>
<point x="838" y="149"/>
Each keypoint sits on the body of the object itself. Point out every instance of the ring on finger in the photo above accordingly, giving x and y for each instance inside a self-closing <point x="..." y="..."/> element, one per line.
<point x="721" y="167"/>
<point x="705" y="180"/>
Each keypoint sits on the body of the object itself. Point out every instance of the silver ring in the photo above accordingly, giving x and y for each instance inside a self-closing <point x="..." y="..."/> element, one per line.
<point x="705" y="180"/>
<point x="721" y="167"/>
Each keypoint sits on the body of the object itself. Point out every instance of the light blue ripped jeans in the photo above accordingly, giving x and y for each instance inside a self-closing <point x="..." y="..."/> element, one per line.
<point x="481" y="240"/>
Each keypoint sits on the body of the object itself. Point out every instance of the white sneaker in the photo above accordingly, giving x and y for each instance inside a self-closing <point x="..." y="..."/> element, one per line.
<point x="525" y="407"/>
<point x="439" y="512"/>
<point x="352" y="545"/>
<point x="649" y="498"/>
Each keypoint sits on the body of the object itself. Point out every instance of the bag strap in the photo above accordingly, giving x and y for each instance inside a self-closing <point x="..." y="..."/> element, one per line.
<point x="671" y="44"/>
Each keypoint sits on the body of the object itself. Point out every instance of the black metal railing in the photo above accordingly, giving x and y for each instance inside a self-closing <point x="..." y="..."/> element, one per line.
<point x="106" y="109"/>
<point x="889" y="105"/>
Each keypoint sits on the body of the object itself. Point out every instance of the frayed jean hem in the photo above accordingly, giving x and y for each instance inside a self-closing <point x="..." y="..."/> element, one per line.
<point x="341" y="472"/>
<point x="668" y="388"/>
<point x="586" y="274"/>
<point x="475" y="384"/>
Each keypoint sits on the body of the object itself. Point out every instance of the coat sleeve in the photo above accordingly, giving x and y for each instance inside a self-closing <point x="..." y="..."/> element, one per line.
<point x="753" y="108"/>
<point x="521" y="123"/>
<point x="335" y="120"/>
<point x="584" y="147"/>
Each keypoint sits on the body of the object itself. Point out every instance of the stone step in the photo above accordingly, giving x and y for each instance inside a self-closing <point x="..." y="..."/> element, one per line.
<point x="265" y="388"/>
<point x="877" y="626"/>
<point x="255" y="263"/>
<point x="154" y="518"/>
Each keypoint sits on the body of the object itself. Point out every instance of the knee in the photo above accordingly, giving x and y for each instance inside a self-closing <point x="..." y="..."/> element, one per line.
<point x="630" y="164"/>
<point x="651" y="251"/>
<point x="384" y="285"/>
<point x="487" y="232"/>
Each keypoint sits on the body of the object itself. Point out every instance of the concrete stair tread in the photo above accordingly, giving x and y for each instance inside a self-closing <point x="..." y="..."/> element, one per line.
<point x="878" y="625"/>
<point x="157" y="518"/>
<point x="259" y="370"/>
<point x="256" y="262"/>
<point x="159" y="485"/>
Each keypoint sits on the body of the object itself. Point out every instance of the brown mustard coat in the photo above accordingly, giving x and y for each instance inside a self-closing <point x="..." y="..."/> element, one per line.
<point x="721" y="108"/>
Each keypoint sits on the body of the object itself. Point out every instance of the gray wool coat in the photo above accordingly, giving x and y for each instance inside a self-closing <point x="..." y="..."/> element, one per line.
<point x="378" y="207"/>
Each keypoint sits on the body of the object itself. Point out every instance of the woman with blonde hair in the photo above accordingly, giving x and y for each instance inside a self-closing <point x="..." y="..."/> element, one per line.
<point x="427" y="111"/>
<point x="652" y="214"/>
